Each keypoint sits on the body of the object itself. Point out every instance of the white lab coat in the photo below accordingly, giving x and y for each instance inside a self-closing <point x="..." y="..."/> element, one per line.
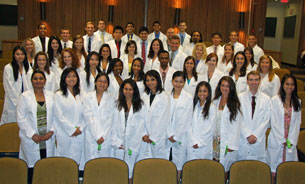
<point x="240" y="84"/>
<point x="202" y="67"/>
<point x="38" y="45"/>
<point x="162" y="37"/>
<point x="220" y="51"/>
<point x="151" y="65"/>
<point x="201" y="133"/>
<point x="126" y="69"/>
<point x="58" y="73"/>
<point x="251" y="68"/>
<point x="12" y="90"/>
<point x="27" y="122"/>
<point x="258" y="52"/>
<point x="223" y="67"/>
<point x="270" y="88"/>
<point x="140" y="85"/>
<point x="114" y="86"/>
<point x="107" y="36"/>
<point x="237" y="47"/>
<point x="114" y="50"/>
<point x="157" y="124"/>
<point x="191" y="87"/>
<point x="181" y="115"/>
<point x="55" y="65"/>
<point x="129" y="134"/>
<point x="168" y="85"/>
<point x="217" y="75"/>
<point x="256" y="126"/>
<point x="96" y="43"/>
<point x="229" y="136"/>
<point x="83" y="82"/>
<point x="82" y="62"/>
<point x="50" y="81"/>
<point x="276" y="137"/>
<point x="98" y="119"/>
<point x="69" y="44"/>
<point x="179" y="59"/>
<point x="188" y="48"/>
<point x="68" y="115"/>
<point x="134" y="38"/>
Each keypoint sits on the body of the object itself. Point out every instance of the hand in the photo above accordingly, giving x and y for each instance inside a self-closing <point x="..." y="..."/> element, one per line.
<point x="36" y="138"/>
<point x="229" y="150"/>
<point x="100" y="140"/>
<point x="252" y="139"/>
<point x="145" y="138"/>
<point x="121" y="147"/>
<point x="171" y="139"/>
<point x="196" y="146"/>
<point x="77" y="132"/>
<point x="47" y="136"/>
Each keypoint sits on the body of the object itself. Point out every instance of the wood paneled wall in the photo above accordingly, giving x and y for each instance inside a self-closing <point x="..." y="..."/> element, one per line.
<point x="302" y="35"/>
<point x="207" y="16"/>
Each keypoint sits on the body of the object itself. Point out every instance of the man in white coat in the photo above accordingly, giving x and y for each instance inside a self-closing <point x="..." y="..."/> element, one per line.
<point x="65" y="38"/>
<point x="196" y="37"/>
<point x="177" y="56"/>
<point x="102" y="33"/>
<point x="255" y="106"/>
<point x="169" y="33"/>
<point x="166" y="72"/>
<point x="234" y="41"/>
<point x="216" y="47"/>
<point x="158" y="34"/>
<point x="117" y="45"/>
<point x="130" y="35"/>
<point x="41" y="41"/>
<point x="184" y="37"/>
<point x="143" y="44"/>
<point x="258" y="52"/>
<point x="91" y="42"/>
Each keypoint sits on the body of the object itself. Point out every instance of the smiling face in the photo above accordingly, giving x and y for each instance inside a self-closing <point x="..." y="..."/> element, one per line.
<point x="42" y="30"/>
<point x="41" y="62"/>
<point x="89" y="29"/>
<point x="29" y="46"/>
<point x="224" y="88"/>
<point x="136" y="67"/>
<point x="248" y="55"/>
<point x="19" y="56"/>
<point x="203" y="93"/>
<point x="253" y="82"/>
<point x="195" y="37"/>
<point x="151" y="83"/>
<point x="189" y="65"/>
<point x="67" y="59"/>
<point x="78" y="44"/>
<point x="228" y="51"/>
<point x="93" y="61"/>
<point x="216" y="39"/>
<point x="212" y="63"/>
<point x="71" y="79"/>
<point x="288" y="86"/>
<point x="265" y="65"/>
<point x="117" y="35"/>
<point x="164" y="60"/>
<point x="131" y="48"/>
<point x="199" y="52"/>
<point x="233" y="37"/>
<point x="55" y="45"/>
<point x="101" y="84"/>
<point x="175" y="43"/>
<point x="240" y="60"/>
<point x="105" y="52"/>
<point x="178" y="83"/>
<point x="38" y="81"/>
<point x="156" y="46"/>
<point x="101" y="25"/>
<point x="65" y="35"/>
<point x="118" y="68"/>
<point x="128" y="91"/>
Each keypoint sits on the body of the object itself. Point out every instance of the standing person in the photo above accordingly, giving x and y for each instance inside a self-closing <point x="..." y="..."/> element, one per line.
<point x="239" y="72"/>
<point x="157" y="102"/>
<point x="234" y="41"/>
<point x="65" y="38"/>
<point x="251" y="65"/>
<point x="200" y="54"/>
<point x="213" y="75"/>
<point x="255" y="106"/>
<point x="177" y="56"/>
<point x="143" y="44"/>
<point x="68" y="117"/>
<point x="196" y="37"/>
<point x="35" y="121"/>
<point x="102" y="33"/>
<point x="130" y="118"/>
<point x="42" y="64"/>
<point x="192" y="77"/>
<point x="54" y="51"/>
<point x="184" y="37"/>
<point x="258" y="52"/>
<point x="270" y="83"/>
<point x="216" y="47"/>
<point x="158" y="34"/>
<point x="29" y="46"/>
<point x="226" y="63"/>
<point x="105" y="57"/>
<point x="78" y="48"/>
<point x="114" y="72"/>
<point x="137" y="73"/>
<point x="130" y="35"/>
<point x="285" y="124"/>
<point x="153" y="62"/>
<point x="41" y="41"/>
<point x="117" y="45"/>
<point x="14" y="83"/>
<point x="91" y="41"/>
<point x="130" y="53"/>
<point x="98" y="115"/>
<point x="181" y="114"/>
<point x="200" y="135"/>
<point x="169" y="33"/>
<point x="92" y="69"/>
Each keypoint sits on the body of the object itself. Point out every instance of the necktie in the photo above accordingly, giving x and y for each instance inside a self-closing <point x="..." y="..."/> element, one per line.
<point x="253" y="105"/>
<point x="143" y="52"/>
<point x="22" y="87"/>
<point x="102" y="38"/>
<point x="89" y="45"/>
<point x="129" y="37"/>
<point x="118" y="48"/>
<point x="181" y="38"/>
<point x="172" y="59"/>
<point x="215" y="49"/>
<point x="65" y="45"/>
<point x="163" y="77"/>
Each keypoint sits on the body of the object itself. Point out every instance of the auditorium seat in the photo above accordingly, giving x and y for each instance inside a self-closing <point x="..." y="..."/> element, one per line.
<point x="13" y="171"/>
<point x="290" y="172"/>
<point x="300" y="84"/>
<point x="203" y="171"/>
<point x="301" y="95"/>
<point x="281" y="72"/>
<point x="9" y="139"/>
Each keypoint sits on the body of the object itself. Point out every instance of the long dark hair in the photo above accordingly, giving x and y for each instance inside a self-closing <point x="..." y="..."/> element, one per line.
<point x="15" y="65"/>
<point x="136" y="99"/>
<point x="233" y="103"/>
<point x="294" y="96"/>
<point x="151" y="51"/>
<point x="141" y="74"/>
<point x="47" y="67"/>
<point x="105" y="45"/>
<point x="63" y="85"/>
<point x="87" y="66"/>
<point x="208" y="100"/>
<point x="243" y="69"/>
<point x="156" y="75"/>
<point x="112" y="64"/>
<point x="194" y="73"/>
<point x="252" y="62"/>
<point x="100" y="75"/>
<point x="178" y="74"/>
<point x="50" y="50"/>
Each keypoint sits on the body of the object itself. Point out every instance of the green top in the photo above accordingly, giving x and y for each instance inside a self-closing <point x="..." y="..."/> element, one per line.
<point x="42" y="122"/>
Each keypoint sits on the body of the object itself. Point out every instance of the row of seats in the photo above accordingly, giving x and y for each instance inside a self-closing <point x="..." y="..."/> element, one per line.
<point x="149" y="171"/>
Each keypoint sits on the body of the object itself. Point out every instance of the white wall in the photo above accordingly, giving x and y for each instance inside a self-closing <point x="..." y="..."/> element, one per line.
<point x="8" y="32"/>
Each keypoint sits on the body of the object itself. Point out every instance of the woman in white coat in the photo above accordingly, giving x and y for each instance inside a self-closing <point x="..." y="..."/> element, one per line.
<point x="285" y="124"/>
<point x="130" y="53"/>
<point x="157" y="102"/>
<point x="54" y="51"/>
<point x="228" y="123"/>
<point x="14" y="83"/>
<point x="42" y="64"/>
<point x="105" y="57"/>
<point x="200" y="136"/>
<point x="239" y="72"/>
<point x="130" y="118"/>
<point x="226" y="63"/>
<point x="68" y="114"/>
<point x="88" y="75"/>
<point x="213" y="75"/>
<point x="153" y="63"/>
<point x="192" y="77"/>
<point x="181" y="114"/>
<point x="79" y="50"/>
<point x="270" y="83"/>
<point x="137" y="73"/>
<point x="114" y="72"/>
<point x="98" y="115"/>
<point x="251" y="65"/>
<point x="35" y="121"/>
<point x="29" y="46"/>
<point x="200" y="54"/>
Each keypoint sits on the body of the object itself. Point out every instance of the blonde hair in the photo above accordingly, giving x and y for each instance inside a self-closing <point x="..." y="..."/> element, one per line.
<point x="202" y="45"/>
<point x="24" y="44"/>
<point x="271" y="71"/>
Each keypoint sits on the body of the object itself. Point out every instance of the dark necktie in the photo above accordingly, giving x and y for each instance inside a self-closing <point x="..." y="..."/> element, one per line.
<point x="89" y="45"/>
<point x="118" y="47"/>
<point x="143" y="52"/>
<point x="65" y="45"/>
<point x="253" y="105"/>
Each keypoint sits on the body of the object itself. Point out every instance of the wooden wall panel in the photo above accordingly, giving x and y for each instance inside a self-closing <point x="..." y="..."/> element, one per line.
<point x="302" y="35"/>
<point x="207" y="16"/>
